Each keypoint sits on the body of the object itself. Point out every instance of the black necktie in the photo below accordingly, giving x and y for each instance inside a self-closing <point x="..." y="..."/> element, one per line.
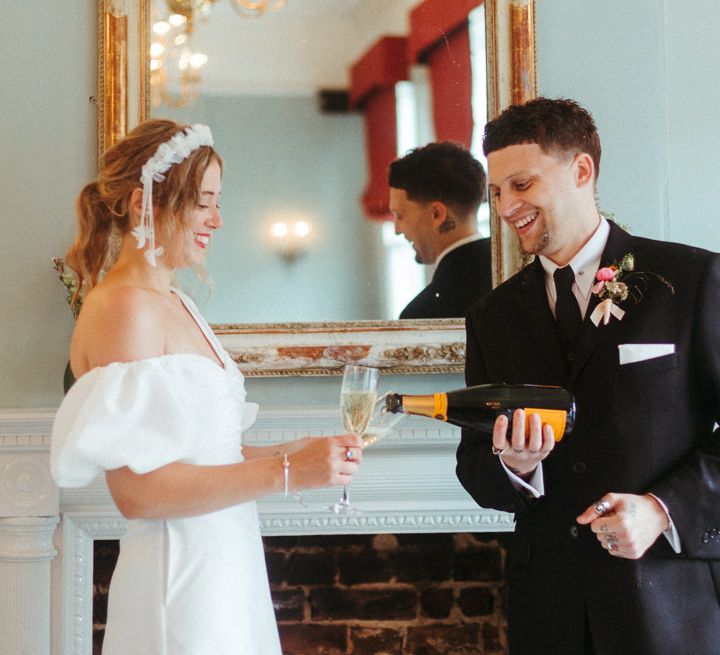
<point x="567" y="310"/>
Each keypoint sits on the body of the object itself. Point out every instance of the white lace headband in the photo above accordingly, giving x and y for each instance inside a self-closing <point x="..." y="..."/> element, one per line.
<point x="171" y="152"/>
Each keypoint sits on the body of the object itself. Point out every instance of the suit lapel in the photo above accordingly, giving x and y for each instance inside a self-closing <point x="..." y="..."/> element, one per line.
<point x="619" y="243"/>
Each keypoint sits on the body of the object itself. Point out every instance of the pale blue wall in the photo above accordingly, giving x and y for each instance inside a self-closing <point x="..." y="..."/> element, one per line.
<point x="284" y="159"/>
<point x="47" y="75"/>
<point x="647" y="73"/>
<point x="693" y="104"/>
<point x="647" y="70"/>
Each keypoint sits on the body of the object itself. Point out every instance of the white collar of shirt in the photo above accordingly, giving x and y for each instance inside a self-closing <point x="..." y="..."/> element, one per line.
<point x="457" y="244"/>
<point x="584" y="264"/>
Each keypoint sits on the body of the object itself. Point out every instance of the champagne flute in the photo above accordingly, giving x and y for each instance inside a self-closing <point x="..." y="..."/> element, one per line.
<point x="357" y="400"/>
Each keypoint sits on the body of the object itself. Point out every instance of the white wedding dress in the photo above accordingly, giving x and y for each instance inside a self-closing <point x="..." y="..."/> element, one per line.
<point x="191" y="586"/>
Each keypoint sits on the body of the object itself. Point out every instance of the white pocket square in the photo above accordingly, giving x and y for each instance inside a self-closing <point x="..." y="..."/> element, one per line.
<point x="639" y="352"/>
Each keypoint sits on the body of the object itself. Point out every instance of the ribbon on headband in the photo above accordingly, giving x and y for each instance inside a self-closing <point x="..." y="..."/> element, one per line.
<point x="177" y="149"/>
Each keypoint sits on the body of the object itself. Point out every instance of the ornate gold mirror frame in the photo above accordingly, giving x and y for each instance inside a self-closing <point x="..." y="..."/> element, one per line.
<point x="399" y="347"/>
<point x="123" y="68"/>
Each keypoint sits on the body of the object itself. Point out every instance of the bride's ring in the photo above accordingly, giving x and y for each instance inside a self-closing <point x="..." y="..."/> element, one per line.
<point x="349" y="454"/>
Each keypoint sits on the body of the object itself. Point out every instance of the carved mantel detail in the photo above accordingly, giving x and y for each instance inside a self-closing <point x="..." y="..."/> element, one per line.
<point x="26" y="486"/>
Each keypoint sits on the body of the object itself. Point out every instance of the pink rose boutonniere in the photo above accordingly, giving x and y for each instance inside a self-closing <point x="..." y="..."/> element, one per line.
<point x="618" y="282"/>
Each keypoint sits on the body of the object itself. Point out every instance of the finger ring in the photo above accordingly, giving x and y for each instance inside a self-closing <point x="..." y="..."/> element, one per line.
<point x="601" y="507"/>
<point x="517" y="450"/>
<point x="349" y="455"/>
<point x="613" y="545"/>
<point x="498" y="451"/>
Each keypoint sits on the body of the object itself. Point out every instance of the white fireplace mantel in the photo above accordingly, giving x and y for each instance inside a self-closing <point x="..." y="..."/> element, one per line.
<point x="406" y="484"/>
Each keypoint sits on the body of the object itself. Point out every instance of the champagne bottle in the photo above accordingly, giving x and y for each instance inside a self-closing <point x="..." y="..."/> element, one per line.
<point x="477" y="407"/>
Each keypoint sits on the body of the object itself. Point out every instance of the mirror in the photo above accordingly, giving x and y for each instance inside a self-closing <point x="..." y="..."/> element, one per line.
<point x="337" y="166"/>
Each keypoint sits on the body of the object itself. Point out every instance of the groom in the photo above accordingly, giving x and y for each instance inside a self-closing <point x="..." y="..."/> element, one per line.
<point x="617" y="539"/>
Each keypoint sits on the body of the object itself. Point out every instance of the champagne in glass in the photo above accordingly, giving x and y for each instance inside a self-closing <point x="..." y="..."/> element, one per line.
<point x="357" y="408"/>
<point x="357" y="401"/>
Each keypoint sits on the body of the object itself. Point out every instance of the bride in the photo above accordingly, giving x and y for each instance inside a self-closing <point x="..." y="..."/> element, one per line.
<point x="160" y="408"/>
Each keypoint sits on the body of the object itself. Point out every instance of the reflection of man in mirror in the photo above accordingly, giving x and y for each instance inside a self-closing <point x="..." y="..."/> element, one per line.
<point x="435" y="193"/>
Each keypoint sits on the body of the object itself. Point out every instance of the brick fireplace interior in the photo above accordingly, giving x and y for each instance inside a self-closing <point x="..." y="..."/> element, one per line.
<point x="383" y="594"/>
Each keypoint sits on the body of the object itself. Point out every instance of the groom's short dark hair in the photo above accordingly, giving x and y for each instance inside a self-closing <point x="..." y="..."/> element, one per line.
<point x="443" y="171"/>
<point x="554" y="124"/>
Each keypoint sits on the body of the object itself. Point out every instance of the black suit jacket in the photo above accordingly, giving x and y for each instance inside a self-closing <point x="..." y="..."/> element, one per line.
<point x="462" y="277"/>
<point x="641" y="427"/>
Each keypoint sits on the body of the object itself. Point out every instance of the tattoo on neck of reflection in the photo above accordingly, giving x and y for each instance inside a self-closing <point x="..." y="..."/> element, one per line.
<point x="446" y="226"/>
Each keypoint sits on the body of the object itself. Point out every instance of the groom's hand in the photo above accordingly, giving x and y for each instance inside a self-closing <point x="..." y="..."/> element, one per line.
<point x="522" y="453"/>
<point x="626" y="525"/>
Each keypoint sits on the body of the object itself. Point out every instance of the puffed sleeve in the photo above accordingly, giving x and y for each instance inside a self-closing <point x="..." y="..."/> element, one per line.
<point x="142" y="415"/>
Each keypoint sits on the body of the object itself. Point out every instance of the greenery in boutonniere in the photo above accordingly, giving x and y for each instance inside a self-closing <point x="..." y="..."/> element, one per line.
<point x="620" y="281"/>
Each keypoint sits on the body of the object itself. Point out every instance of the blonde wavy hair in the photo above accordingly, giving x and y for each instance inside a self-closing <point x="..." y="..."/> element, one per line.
<point x="103" y="206"/>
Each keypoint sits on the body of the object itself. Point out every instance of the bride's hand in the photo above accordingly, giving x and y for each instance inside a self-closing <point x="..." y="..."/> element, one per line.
<point x="323" y="461"/>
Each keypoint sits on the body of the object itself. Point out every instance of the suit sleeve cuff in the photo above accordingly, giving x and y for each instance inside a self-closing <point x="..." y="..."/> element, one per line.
<point x="671" y="534"/>
<point x="534" y="486"/>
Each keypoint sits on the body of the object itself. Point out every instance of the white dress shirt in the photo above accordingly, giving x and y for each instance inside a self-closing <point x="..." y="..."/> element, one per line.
<point x="584" y="264"/>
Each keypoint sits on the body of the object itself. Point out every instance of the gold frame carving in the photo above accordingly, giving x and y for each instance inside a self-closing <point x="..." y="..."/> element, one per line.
<point x="399" y="347"/>
<point x="512" y="64"/>
<point x="523" y="51"/>
<point x="301" y="349"/>
<point x="123" y="98"/>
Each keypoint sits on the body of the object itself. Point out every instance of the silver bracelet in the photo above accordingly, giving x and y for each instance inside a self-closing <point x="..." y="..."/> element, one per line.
<point x="286" y="474"/>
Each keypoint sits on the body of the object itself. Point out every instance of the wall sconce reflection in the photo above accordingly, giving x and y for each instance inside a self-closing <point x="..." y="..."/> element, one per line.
<point x="291" y="238"/>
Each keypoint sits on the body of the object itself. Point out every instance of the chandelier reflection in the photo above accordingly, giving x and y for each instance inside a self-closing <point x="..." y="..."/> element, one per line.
<point x="175" y="66"/>
<point x="246" y="8"/>
<point x="255" y="8"/>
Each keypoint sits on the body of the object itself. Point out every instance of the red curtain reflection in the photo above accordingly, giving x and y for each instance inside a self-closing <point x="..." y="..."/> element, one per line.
<point x="373" y="80"/>
<point x="439" y="37"/>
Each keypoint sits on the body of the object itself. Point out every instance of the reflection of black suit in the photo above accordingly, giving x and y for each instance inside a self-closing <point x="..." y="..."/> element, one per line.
<point x="641" y="427"/>
<point x="462" y="277"/>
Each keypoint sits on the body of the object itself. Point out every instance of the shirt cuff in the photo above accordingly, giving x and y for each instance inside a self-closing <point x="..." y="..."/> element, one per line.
<point x="534" y="486"/>
<point x="671" y="534"/>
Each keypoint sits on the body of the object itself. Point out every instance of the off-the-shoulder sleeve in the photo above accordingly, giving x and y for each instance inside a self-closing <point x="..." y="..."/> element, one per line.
<point x="142" y="415"/>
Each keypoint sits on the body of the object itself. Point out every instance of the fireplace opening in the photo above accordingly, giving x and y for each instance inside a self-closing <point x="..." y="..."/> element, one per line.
<point x="382" y="594"/>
